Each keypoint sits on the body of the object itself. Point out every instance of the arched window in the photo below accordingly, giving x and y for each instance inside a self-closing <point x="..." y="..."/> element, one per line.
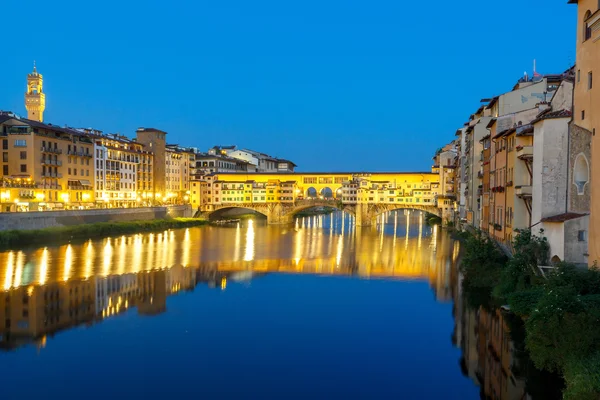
<point x="581" y="173"/>
<point x="587" y="32"/>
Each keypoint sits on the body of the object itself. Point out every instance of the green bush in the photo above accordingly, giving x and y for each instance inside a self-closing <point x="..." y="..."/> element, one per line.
<point x="583" y="378"/>
<point x="561" y="311"/>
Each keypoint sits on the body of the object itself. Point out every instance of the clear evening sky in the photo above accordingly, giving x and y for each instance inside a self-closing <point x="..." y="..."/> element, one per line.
<point x="330" y="84"/>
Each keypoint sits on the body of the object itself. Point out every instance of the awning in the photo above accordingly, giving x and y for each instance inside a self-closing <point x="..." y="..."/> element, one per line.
<point x="85" y="182"/>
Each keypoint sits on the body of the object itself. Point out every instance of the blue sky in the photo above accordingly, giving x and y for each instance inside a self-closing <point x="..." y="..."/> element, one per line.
<point x="333" y="85"/>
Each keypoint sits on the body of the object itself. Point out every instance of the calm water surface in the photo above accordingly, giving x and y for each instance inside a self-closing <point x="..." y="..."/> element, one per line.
<point x="319" y="310"/>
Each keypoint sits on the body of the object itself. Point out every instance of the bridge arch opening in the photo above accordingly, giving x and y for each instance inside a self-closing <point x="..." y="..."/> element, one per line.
<point x="311" y="193"/>
<point x="233" y="213"/>
<point x="327" y="193"/>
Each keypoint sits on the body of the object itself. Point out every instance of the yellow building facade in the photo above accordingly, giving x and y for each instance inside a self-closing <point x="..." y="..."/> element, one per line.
<point x="56" y="164"/>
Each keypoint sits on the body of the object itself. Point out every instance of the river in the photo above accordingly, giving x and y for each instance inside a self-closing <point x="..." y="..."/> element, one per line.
<point x="319" y="310"/>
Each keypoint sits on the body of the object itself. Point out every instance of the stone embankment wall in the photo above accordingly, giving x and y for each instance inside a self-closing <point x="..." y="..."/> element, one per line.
<point x="48" y="219"/>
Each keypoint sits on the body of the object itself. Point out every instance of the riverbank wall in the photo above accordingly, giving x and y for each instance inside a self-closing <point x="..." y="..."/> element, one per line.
<point x="52" y="219"/>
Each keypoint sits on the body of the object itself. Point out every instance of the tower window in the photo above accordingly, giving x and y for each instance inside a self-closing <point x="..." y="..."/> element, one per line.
<point x="579" y="73"/>
<point x="590" y="83"/>
<point x="582" y="115"/>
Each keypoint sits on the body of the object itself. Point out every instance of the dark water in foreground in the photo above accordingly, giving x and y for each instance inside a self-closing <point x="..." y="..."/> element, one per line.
<point x="321" y="310"/>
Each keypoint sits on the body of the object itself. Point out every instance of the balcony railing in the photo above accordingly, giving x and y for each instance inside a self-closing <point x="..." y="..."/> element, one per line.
<point x="15" y="184"/>
<point x="51" y="175"/>
<point x="51" y="150"/>
<point x="79" y="153"/>
<point x="49" y="186"/>
<point x="51" y="162"/>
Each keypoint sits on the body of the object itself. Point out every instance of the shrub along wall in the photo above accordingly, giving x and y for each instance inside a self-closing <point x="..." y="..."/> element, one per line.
<point x="561" y="311"/>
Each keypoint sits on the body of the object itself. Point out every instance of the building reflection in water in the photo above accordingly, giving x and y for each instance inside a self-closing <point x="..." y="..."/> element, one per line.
<point x="491" y="357"/>
<point x="54" y="288"/>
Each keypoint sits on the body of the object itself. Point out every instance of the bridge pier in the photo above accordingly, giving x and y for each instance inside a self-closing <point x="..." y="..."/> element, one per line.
<point x="279" y="215"/>
<point x="364" y="215"/>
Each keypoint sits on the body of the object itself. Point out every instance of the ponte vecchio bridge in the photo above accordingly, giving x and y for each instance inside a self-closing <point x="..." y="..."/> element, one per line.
<point x="364" y="195"/>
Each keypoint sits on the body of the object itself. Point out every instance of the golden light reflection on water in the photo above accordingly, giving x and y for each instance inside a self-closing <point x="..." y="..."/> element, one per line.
<point x="111" y="275"/>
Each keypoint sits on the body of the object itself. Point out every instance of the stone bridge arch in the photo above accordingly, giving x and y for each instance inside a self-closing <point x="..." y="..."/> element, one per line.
<point x="283" y="213"/>
<point x="260" y="210"/>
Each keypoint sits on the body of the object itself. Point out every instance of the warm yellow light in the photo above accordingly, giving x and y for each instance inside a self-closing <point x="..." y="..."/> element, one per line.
<point x="139" y="199"/>
<point x="65" y="197"/>
<point x="188" y="192"/>
<point x="40" y="196"/>
<point x="30" y="291"/>
<point x="16" y="200"/>
<point x="86" y="196"/>
<point x="186" y="197"/>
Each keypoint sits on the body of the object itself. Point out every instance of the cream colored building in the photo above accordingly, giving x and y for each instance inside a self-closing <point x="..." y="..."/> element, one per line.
<point x="123" y="178"/>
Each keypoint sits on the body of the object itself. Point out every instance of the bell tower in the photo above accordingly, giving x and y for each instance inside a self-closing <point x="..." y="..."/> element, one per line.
<point x="35" y="99"/>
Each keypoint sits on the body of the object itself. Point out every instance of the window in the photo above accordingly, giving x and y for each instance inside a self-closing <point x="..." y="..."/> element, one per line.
<point x="578" y="75"/>
<point x="5" y="157"/>
<point x="582" y="236"/>
<point x="590" y="80"/>
<point x="5" y="170"/>
<point x="23" y="167"/>
<point x="581" y="174"/>
<point x="582" y="115"/>
<point x="23" y="155"/>
<point x="587" y="28"/>
<point x="20" y="143"/>
<point x="5" y="144"/>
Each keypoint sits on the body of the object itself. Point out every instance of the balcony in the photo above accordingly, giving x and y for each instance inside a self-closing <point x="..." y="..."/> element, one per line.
<point x="480" y="175"/>
<point x="51" y="150"/>
<point x="523" y="191"/>
<point x="79" y="153"/>
<point x="525" y="153"/>
<point x="49" y="186"/>
<point x="51" y="175"/>
<point x="51" y="162"/>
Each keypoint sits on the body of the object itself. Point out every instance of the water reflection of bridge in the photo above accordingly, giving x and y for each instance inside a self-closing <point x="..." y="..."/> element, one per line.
<point x="51" y="289"/>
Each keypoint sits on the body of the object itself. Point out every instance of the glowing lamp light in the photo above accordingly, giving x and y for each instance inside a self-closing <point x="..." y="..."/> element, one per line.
<point x="186" y="197"/>
<point x="86" y="196"/>
<point x="65" y="197"/>
<point x="40" y="196"/>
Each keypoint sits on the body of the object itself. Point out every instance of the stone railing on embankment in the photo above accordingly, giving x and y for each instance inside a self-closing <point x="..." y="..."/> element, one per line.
<point x="49" y="219"/>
